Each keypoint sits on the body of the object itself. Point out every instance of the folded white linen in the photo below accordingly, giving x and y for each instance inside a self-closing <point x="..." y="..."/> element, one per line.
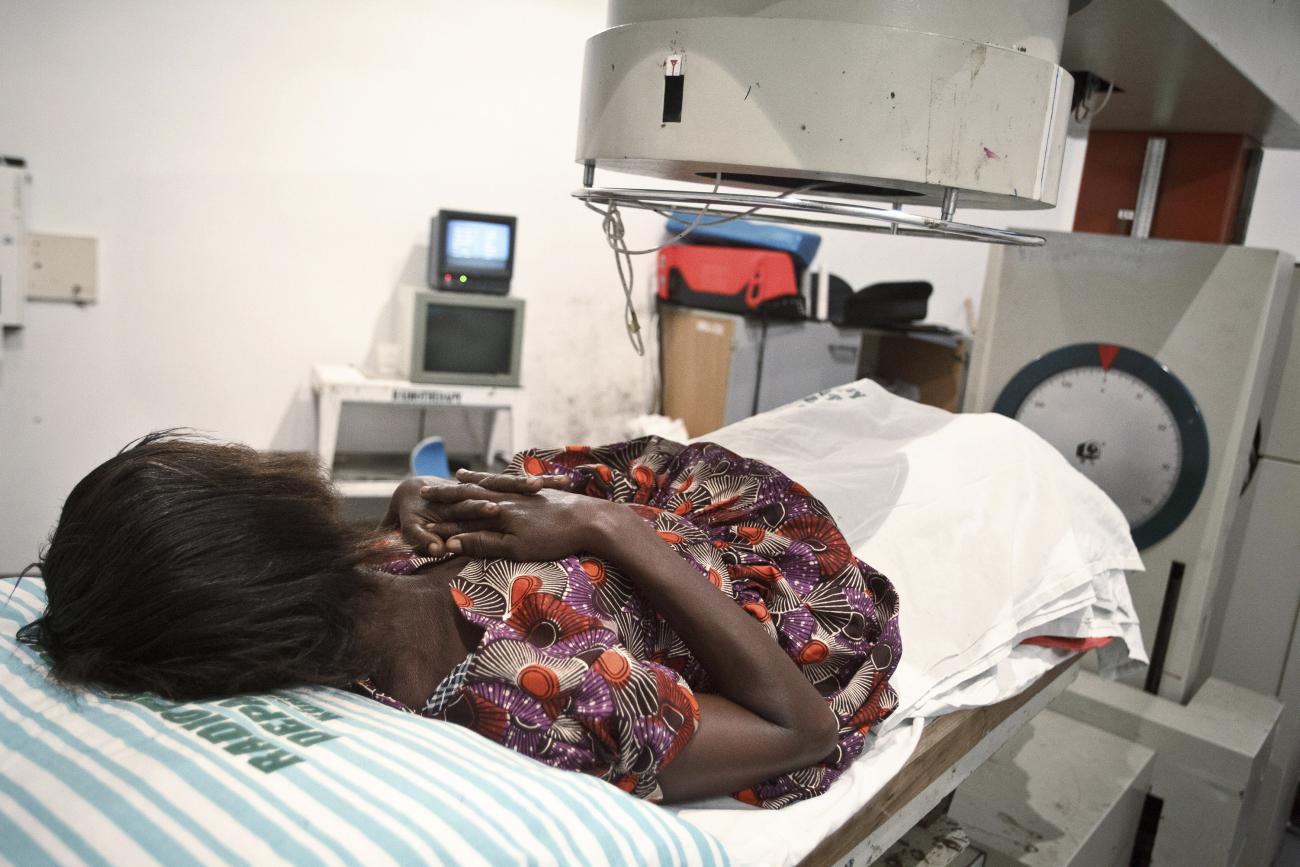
<point x="1009" y="676"/>
<point x="1004" y="674"/>
<point x="984" y="529"/>
<point x="988" y="534"/>
<point x="1111" y="613"/>
<point x="1102" y="609"/>
<point x="924" y="695"/>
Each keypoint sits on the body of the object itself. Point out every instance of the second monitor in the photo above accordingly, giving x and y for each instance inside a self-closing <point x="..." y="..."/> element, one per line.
<point x="471" y="252"/>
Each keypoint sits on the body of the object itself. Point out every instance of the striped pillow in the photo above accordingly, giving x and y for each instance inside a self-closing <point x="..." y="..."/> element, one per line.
<point x="307" y="776"/>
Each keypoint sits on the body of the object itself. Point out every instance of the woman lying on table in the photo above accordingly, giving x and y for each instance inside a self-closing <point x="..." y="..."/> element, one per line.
<point x="677" y="620"/>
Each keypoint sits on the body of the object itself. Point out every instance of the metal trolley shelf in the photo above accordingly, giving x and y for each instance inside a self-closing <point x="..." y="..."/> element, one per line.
<point x="336" y="385"/>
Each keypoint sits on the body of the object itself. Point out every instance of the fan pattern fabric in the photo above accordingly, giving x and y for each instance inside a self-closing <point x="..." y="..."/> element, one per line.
<point x="575" y="669"/>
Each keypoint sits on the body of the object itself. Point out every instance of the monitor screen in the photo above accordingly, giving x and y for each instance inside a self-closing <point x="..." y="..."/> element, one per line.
<point x="462" y="339"/>
<point x="477" y="246"/>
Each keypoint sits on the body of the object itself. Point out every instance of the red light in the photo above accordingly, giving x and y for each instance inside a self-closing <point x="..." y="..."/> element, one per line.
<point x="446" y="278"/>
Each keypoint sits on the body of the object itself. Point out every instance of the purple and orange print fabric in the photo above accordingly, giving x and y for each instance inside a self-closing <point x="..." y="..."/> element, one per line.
<point x="576" y="670"/>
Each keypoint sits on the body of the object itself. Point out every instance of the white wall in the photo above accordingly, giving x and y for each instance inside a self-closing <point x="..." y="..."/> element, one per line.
<point x="1275" y="217"/>
<point x="260" y="172"/>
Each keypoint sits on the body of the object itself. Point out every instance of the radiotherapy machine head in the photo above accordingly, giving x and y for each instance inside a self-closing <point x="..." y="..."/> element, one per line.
<point x="949" y="103"/>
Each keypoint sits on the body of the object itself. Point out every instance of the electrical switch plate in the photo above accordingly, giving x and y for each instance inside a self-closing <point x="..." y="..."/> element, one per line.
<point x="62" y="268"/>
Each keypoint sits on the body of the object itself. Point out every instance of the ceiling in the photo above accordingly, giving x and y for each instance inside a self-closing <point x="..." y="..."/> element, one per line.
<point x="1193" y="65"/>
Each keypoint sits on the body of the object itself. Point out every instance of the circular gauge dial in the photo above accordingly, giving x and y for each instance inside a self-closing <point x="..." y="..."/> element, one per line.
<point x="1115" y="429"/>
<point x="1123" y="420"/>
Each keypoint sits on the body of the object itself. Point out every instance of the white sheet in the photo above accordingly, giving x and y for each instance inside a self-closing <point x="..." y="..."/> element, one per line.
<point x="754" y="836"/>
<point x="989" y="536"/>
<point x="1009" y="676"/>
<point x="980" y="524"/>
<point x="1100" y="609"/>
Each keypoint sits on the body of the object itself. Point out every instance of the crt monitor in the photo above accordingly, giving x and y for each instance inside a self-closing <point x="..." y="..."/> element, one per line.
<point x="471" y="252"/>
<point x="466" y="339"/>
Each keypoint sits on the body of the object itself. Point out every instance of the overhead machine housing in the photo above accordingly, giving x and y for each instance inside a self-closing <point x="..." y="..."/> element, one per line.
<point x="823" y="106"/>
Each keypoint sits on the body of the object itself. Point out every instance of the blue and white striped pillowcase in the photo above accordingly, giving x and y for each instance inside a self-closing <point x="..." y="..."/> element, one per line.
<point x="89" y="779"/>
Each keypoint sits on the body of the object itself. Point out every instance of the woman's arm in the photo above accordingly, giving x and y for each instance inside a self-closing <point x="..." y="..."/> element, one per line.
<point x="766" y="719"/>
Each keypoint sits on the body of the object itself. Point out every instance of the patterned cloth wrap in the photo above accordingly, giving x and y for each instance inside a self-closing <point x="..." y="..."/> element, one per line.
<point x="575" y="669"/>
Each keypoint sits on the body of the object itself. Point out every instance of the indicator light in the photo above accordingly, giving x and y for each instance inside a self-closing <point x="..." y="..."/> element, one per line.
<point x="446" y="278"/>
<point x="464" y="279"/>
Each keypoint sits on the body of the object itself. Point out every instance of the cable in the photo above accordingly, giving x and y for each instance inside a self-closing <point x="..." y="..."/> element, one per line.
<point x="656" y="370"/>
<point x="691" y="227"/>
<point x="1082" y="111"/>
<point x="615" y="236"/>
<point x="758" y="371"/>
<point x="615" y="232"/>
<point x="612" y="225"/>
<point x="1110" y="91"/>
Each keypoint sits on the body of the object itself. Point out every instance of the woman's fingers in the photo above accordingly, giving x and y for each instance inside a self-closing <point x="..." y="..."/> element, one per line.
<point x="423" y="537"/>
<point x="487" y="487"/>
<point x="455" y="493"/>
<point x="464" y="510"/>
<point x="501" y="483"/>
<point x="482" y="543"/>
<point x="427" y="530"/>
<point x="447" y="529"/>
<point x="507" y="484"/>
<point x="490" y="487"/>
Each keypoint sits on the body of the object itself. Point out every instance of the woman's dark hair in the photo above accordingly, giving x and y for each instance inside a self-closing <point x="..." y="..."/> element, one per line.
<point x="196" y="569"/>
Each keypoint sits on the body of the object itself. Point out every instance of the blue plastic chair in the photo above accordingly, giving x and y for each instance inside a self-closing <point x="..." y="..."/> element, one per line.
<point x="429" y="458"/>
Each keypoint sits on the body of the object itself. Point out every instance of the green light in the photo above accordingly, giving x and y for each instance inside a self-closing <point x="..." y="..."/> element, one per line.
<point x="464" y="279"/>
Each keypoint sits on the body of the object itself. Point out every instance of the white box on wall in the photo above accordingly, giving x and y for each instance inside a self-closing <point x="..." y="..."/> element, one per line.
<point x="14" y="181"/>
<point x="61" y="268"/>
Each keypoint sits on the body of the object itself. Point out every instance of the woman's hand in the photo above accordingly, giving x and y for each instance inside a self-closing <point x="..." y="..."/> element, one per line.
<point x="522" y="518"/>
<point x="418" y="519"/>
<point x="409" y="513"/>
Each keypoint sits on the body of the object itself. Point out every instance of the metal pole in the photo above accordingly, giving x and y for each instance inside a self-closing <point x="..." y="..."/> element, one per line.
<point x="949" y="204"/>
<point x="1148" y="188"/>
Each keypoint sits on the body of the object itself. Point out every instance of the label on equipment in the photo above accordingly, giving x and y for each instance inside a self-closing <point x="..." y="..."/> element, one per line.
<point x="428" y="398"/>
<point x="673" y="65"/>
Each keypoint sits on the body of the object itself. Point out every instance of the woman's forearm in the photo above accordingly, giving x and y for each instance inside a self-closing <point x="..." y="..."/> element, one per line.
<point x="744" y="664"/>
